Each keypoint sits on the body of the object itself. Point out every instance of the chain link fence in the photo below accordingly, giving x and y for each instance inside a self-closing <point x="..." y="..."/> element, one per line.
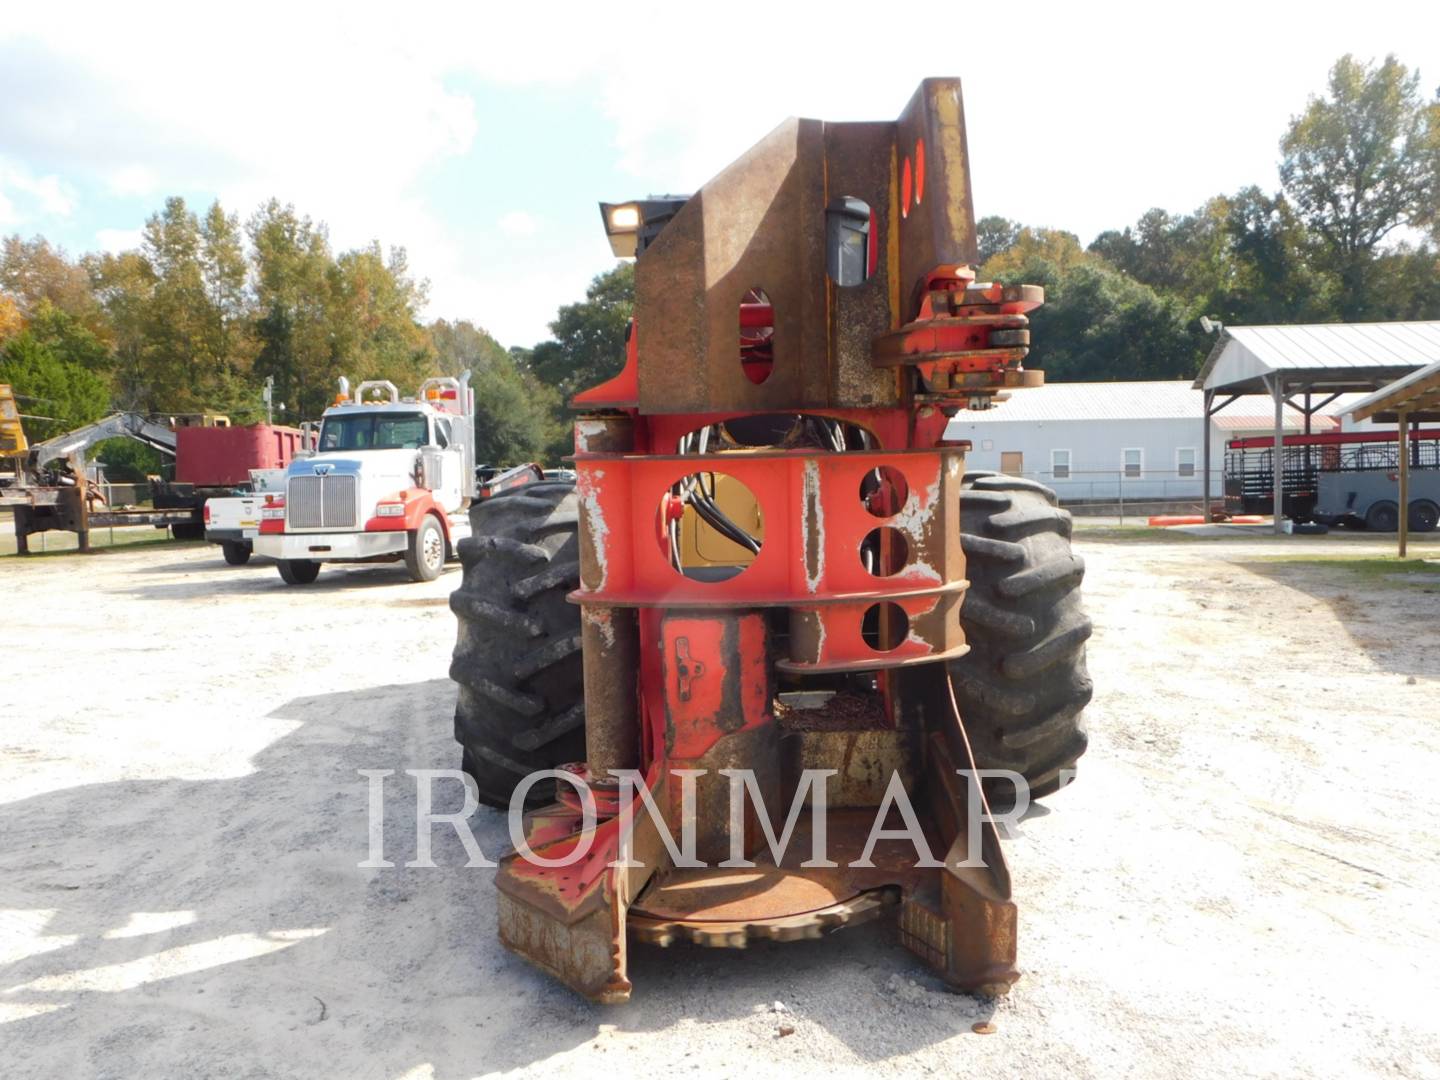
<point x="1129" y="493"/>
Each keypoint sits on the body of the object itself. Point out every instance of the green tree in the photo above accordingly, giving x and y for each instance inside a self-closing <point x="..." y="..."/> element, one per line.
<point x="58" y="395"/>
<point x="129" y="462"/>
<point x="1055" y="248"/>
<point x="123" y="285"/>
<point x="588" y="343"/>
<point x="1360" y="163"/>
<point x="993" y="235"/>
<point x="69" y="338"/>
<point x="177" y="313"/>
<point x="373" y="307"/>
<point x="292" y="281"/>
<point x="1097" y="323"/>
<point x="229" y="328"/>
<point x="1242" y="258"/>
<point x="1276" y="278"/>
<point x="198" y="346"/>
<point x="1184" y="254"/>
<point x="33" y="272"/>
<point x="515" y="414"/>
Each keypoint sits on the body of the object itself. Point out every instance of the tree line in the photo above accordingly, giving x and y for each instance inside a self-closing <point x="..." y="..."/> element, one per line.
<point x="207" y="307"/>
<point x="1348" y="237"/>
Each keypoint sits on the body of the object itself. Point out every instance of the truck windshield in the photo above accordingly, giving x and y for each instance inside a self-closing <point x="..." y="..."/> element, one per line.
<point x="374" y="431"/>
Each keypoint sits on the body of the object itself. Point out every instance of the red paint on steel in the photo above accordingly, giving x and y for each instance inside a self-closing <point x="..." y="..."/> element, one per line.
<point x="1328" y="438"/>
<point x="224" y="456"/>
<point x="418" y="503"/>
<point x="857" y="515"/>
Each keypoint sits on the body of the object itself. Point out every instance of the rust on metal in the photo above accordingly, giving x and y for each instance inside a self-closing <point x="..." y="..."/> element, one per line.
<point x="610" y="643"/>
<point x="820" y="290"/>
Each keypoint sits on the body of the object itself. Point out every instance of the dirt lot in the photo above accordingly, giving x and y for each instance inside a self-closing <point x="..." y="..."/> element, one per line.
<point x="1243" y="880"/>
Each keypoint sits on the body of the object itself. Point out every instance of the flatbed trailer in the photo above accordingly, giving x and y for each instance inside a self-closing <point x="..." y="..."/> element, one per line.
<point x="209" y="461"/>
<point x="67" y="508"/>
<point x="1305" y="459"/>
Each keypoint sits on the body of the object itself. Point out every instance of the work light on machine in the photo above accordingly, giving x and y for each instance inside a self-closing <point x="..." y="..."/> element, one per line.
<point x="632" y="225"/>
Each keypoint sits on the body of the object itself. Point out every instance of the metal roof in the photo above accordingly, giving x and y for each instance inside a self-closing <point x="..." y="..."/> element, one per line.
<point x="1336" y="356"/>
<point x="1294" y="421"/>
<point x="1120" y="401"/>
<point x="1417" y="393"/>
<point x="1095" y="401"/>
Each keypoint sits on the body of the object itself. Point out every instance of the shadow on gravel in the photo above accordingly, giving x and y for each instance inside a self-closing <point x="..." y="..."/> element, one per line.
<point x="202" y="562"/>
<point x="1386" y="606"/>
<point x="264" y="578"/>
<point x="176" y="926"/>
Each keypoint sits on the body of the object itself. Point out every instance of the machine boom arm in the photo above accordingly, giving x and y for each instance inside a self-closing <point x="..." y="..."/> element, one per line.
<point x="129" y="424"/>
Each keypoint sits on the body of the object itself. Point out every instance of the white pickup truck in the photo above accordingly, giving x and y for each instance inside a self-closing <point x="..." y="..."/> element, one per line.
<point x="233" y="521"/>
<point x="391" y="479"/>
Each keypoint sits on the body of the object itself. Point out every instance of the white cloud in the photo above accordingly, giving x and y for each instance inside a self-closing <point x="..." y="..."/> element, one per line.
<point x="41" y="195"/>
<point x="133" y="180"/>
<point x="1084" y="116"/>
<point x="118" y="240"/>
<point x="518" y="223"/>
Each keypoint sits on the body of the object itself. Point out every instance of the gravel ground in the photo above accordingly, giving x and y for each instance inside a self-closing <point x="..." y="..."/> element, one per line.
<point x="1241" y="882"/>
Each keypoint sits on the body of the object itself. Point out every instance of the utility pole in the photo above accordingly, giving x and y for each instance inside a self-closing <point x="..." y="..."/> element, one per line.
<point x="268" y="395"/>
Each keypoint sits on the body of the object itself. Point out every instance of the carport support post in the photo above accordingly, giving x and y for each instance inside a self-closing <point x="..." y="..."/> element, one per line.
<point x="1205" y="439"/>
<point x="1403" y="423"/>
<point x="1277" y="451"/>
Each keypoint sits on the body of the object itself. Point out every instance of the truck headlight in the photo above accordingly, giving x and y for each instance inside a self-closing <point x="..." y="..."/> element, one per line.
<point x="390" y="510"/>
<point x="272" y="513"/>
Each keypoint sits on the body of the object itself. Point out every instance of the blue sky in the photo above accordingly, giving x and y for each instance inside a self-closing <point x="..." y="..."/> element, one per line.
<point x="482" y="136"/>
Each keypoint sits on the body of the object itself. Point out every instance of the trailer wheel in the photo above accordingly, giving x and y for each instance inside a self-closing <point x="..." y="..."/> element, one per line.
<point x="1424" y="516"/>
<point x="1023" y="686"/>
<point x="236" y="552"/>
<point x="1383" y="516"/>
<point x="521" y="698"/>
<point x="299" y="571"/>
<point x="425" y="556"/>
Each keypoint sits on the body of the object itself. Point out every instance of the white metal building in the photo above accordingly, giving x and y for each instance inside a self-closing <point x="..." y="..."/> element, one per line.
<point x="1106" y="441"/>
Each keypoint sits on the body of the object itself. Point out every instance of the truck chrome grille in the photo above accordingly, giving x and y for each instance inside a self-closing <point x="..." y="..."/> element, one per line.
<point x="321" y="502"/>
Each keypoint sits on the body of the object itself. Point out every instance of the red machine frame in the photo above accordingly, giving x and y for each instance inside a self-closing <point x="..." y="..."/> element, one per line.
<point x="680" y="673"/>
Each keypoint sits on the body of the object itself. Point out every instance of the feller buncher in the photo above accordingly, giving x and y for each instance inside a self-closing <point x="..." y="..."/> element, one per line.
<point x="773" y="562"/>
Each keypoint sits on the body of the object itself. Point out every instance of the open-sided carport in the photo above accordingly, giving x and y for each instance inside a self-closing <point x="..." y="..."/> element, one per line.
<point x="1308" y="367"/>
<point x="1406" y="401"/>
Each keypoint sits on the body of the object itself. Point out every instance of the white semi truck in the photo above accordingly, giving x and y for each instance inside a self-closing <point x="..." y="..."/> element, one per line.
<point x="391" y="478"/>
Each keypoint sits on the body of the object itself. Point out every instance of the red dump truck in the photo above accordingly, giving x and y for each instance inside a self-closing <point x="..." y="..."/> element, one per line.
<point x="218" y="460"/>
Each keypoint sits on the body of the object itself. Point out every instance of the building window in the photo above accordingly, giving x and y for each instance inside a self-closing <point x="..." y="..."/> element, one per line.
<point x="1060" y="464"/>
<point x="1185" y="461"/>
<point x="1133" y="462"/>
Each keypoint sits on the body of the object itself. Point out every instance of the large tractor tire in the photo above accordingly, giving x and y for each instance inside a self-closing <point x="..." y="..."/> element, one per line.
<point x="1021" y="689"/>
<point x="1023" y="685"/>
<point x="521" y="703"/>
